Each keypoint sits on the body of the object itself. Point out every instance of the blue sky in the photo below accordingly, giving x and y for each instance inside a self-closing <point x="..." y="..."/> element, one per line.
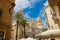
<point x="32" y="9"/>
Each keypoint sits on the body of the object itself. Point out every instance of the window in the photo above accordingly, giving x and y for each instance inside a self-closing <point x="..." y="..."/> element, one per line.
<point x="59" y="4"/>
<point x="1" y="35"/>
<point x="59" y="1"/>
<point x="54" y="17"/>
<point x="0" y="1"/>
<point x="53" y="12"/>
<point x="53" y="39"/>
<point x="0" y="12"/>
<point x="59" y="10"/>
<point x="41" y="39"/>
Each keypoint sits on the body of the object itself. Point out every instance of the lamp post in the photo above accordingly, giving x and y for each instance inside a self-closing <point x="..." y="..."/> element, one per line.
<point x="12" y="4"/>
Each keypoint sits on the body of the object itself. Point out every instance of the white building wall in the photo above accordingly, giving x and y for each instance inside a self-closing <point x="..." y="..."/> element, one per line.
<point x="49" y="18"/>
<point x="57" y="13"/>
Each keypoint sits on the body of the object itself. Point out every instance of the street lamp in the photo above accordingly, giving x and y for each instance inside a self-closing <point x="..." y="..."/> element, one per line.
<point x="12" y="4"/>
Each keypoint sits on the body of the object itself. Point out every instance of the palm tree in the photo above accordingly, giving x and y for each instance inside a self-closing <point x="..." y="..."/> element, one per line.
<point x="20" y="21"/>
<point x="23" y="23"/>
<point x="18" y="17"/>
<point x="45" y="29"/>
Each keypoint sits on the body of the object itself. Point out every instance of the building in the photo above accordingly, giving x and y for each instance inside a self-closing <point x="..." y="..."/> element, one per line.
<point x="34" y="26"/>
<point x="13" y="32"/>
<point x="39" y="23"/>
<point x="30" y="29"/>
<point x="52" y="14"/>
<point x="6" y="9"/>
<point x="50" y="18"/>
<point x="55" y="5"/>
<point x="53" y="21"/>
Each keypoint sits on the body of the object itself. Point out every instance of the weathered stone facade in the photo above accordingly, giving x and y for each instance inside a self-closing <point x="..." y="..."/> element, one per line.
<point x="55" y="5"/>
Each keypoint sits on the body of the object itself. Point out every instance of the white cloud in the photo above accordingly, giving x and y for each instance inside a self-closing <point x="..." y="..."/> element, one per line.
<point x="17" y="8"/>
<point x="44" y="24"/>
<point x="13" y="22"/>
<point x="41" y="13"/>
<point x="26" y="3"/>
<point x="42" y="10"/>
<point x="27" y="16"/>
<point x="23" y="3"/>
<point x="46" y="3"/>
<point x="34" y="1"/>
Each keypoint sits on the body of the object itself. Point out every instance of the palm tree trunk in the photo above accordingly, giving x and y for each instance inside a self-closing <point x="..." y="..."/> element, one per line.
<point x="33" y="31"/>
<point x="17" y="31"/>
<point x="24" y="32"/>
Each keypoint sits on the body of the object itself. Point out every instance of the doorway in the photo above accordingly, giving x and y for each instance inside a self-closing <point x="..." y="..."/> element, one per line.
<point x="1" y="35"/>
<point x="52" y="38"/>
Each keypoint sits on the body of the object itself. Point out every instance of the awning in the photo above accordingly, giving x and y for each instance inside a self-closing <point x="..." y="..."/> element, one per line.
<point x="47" y="33"/>
<point x="28" y="39"/>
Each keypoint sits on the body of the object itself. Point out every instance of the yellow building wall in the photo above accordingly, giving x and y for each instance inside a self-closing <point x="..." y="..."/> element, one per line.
<point x="13" y="33"/>
<point x="57" y="38"/>
<point x="6" y="18"/>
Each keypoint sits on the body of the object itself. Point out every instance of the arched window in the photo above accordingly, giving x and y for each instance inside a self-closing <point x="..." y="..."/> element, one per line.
<point x="59" y="1"/>
<point x="1" y="35"/>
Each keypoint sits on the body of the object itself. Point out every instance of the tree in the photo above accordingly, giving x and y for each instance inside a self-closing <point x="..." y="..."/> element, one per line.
<point x="20" y="21"/>
<point x="23" y="23"/>
<point x="45" y="29"/>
